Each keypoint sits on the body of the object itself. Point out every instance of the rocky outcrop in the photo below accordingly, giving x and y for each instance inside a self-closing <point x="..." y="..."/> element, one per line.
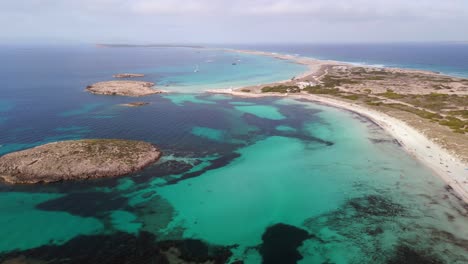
<point x="128" y="75"/>
<point x="77" y="159"/>
<point x="124" y="88"/>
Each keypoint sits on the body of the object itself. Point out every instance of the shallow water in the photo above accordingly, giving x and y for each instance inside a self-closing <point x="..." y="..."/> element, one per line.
<point x="262" y="179"/>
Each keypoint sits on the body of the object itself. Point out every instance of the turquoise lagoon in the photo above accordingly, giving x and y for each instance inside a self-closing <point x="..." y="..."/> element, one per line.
<point x="259" y="180"/>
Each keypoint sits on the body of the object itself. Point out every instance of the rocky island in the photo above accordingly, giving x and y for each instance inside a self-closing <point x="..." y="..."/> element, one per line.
<point x="77" y="159"/>
<point x="128" y="75"/>
<point x="124" y="88"/>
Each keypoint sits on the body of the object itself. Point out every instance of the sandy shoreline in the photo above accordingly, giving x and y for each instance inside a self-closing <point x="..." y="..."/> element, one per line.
<point x="449" y="167"/>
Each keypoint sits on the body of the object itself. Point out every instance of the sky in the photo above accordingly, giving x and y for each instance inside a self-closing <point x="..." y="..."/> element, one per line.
<point x="232" y="21"/>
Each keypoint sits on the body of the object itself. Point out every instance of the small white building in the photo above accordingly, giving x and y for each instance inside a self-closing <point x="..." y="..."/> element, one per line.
<point x="303" y="85"/>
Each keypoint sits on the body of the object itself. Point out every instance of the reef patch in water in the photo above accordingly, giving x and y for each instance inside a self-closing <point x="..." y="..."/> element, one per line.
<point x="280" y="243"/>
<point x="85" y="204"/>
<point x="406" y="255"/>
<point x="121" y="248"/>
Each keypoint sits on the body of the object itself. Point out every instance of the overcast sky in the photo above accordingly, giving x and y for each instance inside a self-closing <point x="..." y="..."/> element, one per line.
<point x="232" y="21"/>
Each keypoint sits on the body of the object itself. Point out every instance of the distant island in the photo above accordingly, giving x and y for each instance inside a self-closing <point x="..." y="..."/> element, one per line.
<point x="128" y="75"/>
<point x="124" y="88"/>
<point x="104" y="45"/>
<point x="77" y="159"/>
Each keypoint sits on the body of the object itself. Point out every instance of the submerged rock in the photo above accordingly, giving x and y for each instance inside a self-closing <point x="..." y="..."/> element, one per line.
<point x="135" y="104"/>
<point x="124" y="88"/>
<point x="121" y="247"/>
<point x="280" y="244"/>
<point x="406" y="255"/>
<point x="77" y="159"/>
<point x="375" y="205"/>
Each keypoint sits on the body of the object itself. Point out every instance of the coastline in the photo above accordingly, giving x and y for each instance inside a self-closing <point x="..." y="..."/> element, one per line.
<point x="310" y="61"/>
<point x="450" y="168"/>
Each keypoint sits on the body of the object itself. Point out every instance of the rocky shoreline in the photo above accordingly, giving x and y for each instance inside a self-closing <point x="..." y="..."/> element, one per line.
<point x="77" y="159"/>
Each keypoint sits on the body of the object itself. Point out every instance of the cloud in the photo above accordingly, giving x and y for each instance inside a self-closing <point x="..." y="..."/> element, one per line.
<point x="174" y="7"/>
<point x="234" y="20"/>
<point x="332" y="10"/>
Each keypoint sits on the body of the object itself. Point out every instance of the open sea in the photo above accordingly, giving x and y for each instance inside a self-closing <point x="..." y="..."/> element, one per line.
<point x="258" y="180"/>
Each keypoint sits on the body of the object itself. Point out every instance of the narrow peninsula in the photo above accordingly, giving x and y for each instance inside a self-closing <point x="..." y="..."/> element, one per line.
<point x="77" y="159"/>
<point x="123" y="88"/>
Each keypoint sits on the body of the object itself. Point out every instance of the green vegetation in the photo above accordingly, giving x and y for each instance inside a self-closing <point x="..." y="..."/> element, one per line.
<point x="369" y="75"/>
<point x="420" y="113"/>
<point x="103" y="147"/>
<point x="373" y="103"/>
<point x="333" y="81"/>
<point x="245" y="90"/>
<point x="456" y="124"/>
<point x="351" y="97"/>
<point x="436" y="102"/>
<point x="378" y="72"/>
<point x="319" y="89"/>
<point x="281" y="89"/>
<point x="390" y="94"/>
<point x="358" y="70"/>
<point x="445" y="109"/>
<point x="462" y="113"/>
<point x="375" y="78"/>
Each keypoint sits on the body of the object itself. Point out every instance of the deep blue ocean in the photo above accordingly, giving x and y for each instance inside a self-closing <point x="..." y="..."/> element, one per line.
<point x="446" y="58"/>
<point x="241" y="180"/>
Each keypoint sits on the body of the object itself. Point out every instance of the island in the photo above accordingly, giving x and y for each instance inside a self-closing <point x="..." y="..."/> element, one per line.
<point x="124" y="88"/>
<point x="77" y="159"/>
<point x="128" y="75"/>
